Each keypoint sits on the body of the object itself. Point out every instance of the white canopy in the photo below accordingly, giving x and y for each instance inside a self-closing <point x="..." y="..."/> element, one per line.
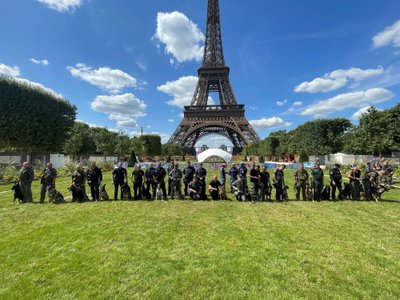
<point x="214" y="152"/>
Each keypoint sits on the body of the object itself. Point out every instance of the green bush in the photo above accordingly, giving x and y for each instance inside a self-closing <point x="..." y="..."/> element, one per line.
<point x="8" y="173"/>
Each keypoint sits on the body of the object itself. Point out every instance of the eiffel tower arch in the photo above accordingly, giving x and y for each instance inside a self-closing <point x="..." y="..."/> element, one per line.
<point x="227" y="119"/>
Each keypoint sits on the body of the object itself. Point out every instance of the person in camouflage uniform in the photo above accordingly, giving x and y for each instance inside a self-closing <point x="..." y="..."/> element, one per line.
<point x="48" y="180"/>
<point x="370" y="182"/>
<point x="26" y="176"/>
<point x="300" y="182"/>
<point x="355" y="182"/>
<point x="317" y="181"/>
<point x="169" y="169"/>
<point x="175" y="176"/>
<point x="387" y="173"/>
<point x="78" y="183"/>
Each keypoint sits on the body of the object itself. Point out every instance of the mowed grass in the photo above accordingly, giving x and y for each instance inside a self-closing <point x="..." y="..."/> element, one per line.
<point x="199" y="250"/>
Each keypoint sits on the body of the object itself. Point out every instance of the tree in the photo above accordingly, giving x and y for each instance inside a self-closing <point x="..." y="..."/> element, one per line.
<point x="80" y="140"/>
<point x="151" y="144"/>
<point x="378" y="132"/>
<point x="32" y="119"/>
<point x="105" y="140"/>
<point x="132" y="159"/>
<point x="172" y="150"/>
<point x="303" y="156"/>
<point x="123" y="144"/>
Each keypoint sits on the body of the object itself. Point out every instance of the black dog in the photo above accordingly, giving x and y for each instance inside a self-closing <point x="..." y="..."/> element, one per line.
<point x="145" y="194"/>
<point x="126" y="192"/>
<point x="346" y="194"/>
<point x="77" y="194"/>
<point x="326" y="193"/>
<point x="17" y="193"/>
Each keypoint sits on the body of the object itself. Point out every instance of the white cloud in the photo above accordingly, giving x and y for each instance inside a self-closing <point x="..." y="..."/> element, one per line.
<point x="358" y="114"/>
<point x="9" y="71"/>
<point x="171" y="120"/>
<point x="348" y="100"/>
<point x="267" y="123"/>
<point x="338" y="79"/>
<point x="182" y="38"/>
<point x="298" y="103"/>
<point x="281" y="103"/>
<point x="391" y="35"/>
<point x="124" y="109"/>
<point x="112" y="80"/>
<point x="62" y="5"/>
<point x="123" y="120"/>
<point x="182" y="91"/>
<point x="253" y="107"/>
<point x="43" y="62"/>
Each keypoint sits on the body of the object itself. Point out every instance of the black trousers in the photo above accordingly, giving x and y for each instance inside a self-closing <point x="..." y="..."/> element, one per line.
<point x="116" y="185"/>
<point x="355" y="190"/>
<point x="137" y="190"/>
<point x="186" y="182"/>
<point x="149" y="183"/>
<point x="279" y="190"/>
<point x="337" y="185"/>
<point x="95" y="191"/>
<point x="318" y="191"/>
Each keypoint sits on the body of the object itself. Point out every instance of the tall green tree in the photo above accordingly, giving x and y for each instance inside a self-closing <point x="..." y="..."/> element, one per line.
<point x="80" y="140"/>
<point x="105" y="141"/>
<point x="32" y="119"/>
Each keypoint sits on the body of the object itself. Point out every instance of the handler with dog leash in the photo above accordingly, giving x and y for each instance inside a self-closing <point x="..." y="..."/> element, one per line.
<point x="26" y="176"/>
<point x="47" y="181"/>
<point x="94" y="179"/>
<point x="120" y="176"/>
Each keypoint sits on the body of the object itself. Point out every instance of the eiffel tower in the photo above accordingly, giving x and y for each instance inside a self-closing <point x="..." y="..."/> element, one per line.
<point x="226" y="119"/>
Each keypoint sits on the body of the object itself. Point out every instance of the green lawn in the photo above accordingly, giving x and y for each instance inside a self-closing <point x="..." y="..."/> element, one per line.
<point x="200" y="250"/>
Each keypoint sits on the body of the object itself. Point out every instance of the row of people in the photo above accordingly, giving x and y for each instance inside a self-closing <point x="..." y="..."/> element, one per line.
<point x="146" y="183"/>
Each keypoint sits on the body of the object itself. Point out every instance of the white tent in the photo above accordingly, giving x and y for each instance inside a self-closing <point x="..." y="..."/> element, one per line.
<point x="227" y="157"/>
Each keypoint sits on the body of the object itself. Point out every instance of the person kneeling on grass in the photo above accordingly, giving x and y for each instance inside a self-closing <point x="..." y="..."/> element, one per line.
<point x="194" y="189"/>
<point x="213" y="188"/>
<point x="239" y="187"/>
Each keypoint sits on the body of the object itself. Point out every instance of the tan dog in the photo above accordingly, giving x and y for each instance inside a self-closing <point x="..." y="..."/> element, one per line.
<point x="222" y="194"/>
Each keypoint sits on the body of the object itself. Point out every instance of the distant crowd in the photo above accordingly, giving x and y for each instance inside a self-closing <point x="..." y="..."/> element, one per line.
<point x="254" y="185"/>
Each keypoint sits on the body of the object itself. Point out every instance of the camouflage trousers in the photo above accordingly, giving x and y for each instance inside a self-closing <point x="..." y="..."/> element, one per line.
<point x="301" y="186"/>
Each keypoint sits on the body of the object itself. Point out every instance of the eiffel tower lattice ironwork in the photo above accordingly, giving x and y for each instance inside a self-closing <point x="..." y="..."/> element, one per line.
<point x="228" y="118"/>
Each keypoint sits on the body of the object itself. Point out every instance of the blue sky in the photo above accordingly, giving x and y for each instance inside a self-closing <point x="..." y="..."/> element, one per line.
<point x="131" y="64"/>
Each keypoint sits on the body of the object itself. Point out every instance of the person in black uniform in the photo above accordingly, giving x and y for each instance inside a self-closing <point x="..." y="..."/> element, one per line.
<point x="159" y="180"/>
<point x="137" y="179"/>
<point x="188" y="175"/>
<point x="213" y="188"/>
<point x="94" y="178"/>
<point x="336" y="181"/>
<point x="202" y="173"/>
<point x="255" y="179"/>
<point x="149" y="175"/>
<point x="264" y="184"/>
<point x="233" y="173"/>
<point x="279" y="182"/>
<point x="120" y="176"/>
<point x="194" y="189"/>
